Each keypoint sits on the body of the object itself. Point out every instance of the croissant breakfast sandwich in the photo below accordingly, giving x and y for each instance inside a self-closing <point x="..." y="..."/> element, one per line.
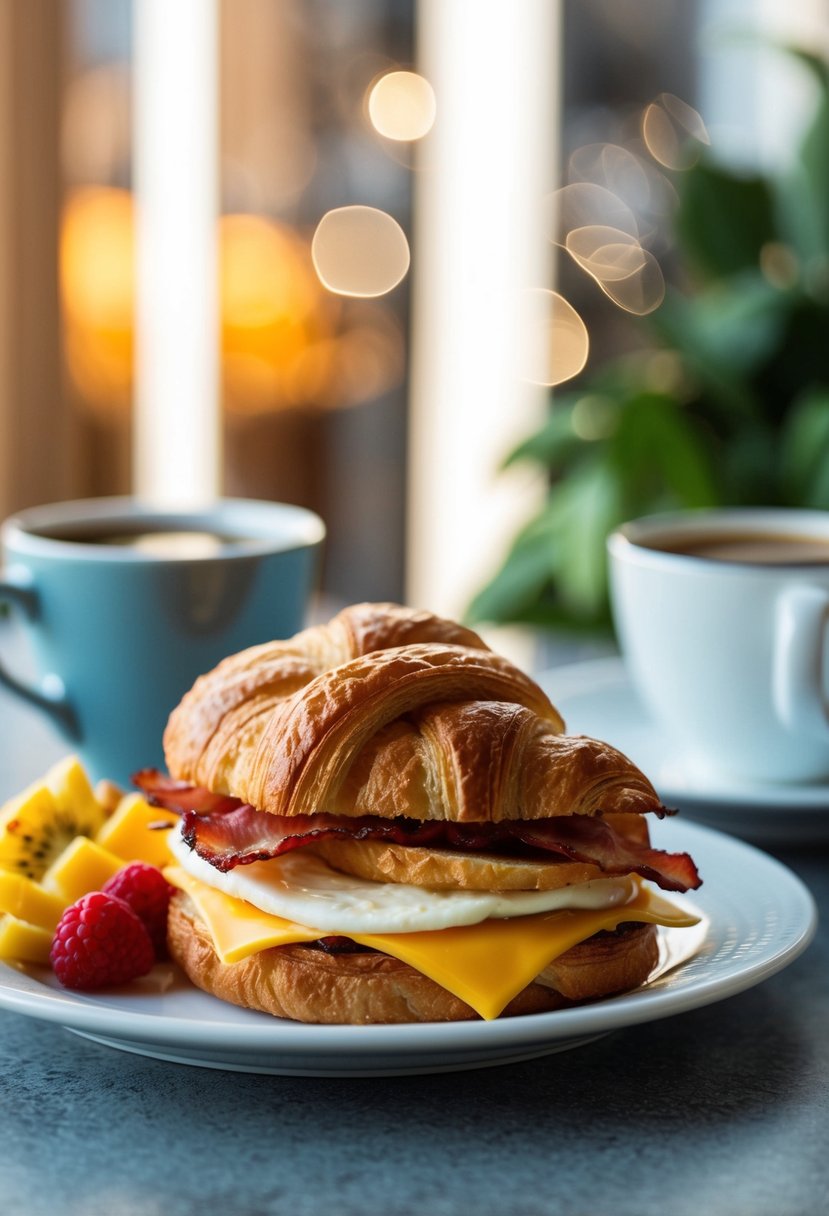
<point x="383" y="821"/>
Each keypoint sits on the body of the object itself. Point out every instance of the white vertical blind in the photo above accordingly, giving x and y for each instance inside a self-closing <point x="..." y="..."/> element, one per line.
<point x="177" y="433"/>
<point x="485" y="171"/>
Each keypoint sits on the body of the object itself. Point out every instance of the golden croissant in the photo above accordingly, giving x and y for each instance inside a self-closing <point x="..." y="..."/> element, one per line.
<point x="383" y="780"/>
<point x="390" y="712"/>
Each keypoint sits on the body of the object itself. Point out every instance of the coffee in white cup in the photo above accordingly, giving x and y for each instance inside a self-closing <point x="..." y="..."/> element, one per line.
<point x="723" y="621"/>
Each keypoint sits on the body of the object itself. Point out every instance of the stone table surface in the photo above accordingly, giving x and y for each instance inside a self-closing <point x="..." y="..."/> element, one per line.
<point x="723" y="1110"/>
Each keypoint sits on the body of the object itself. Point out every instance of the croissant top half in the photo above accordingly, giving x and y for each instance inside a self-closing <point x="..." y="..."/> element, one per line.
<point x="387" y="711"/>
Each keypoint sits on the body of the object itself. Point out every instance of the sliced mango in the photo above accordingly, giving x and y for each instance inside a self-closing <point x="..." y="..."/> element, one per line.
<point x="74" y="795"/>
<point x="130" y="833"/>
<point x="28" y="901"/>
<point x="23" y="942"/>
<point x="83" y="866"/>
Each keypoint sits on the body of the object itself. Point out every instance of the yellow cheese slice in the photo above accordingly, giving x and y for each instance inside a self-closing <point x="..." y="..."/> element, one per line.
<point x="485" y="965"/>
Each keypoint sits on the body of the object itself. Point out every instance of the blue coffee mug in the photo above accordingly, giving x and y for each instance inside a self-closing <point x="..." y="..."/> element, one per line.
<point x="126" y="604"/>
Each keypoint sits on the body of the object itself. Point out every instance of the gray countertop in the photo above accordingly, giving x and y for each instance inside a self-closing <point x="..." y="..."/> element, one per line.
<point x="724" y="1110"/>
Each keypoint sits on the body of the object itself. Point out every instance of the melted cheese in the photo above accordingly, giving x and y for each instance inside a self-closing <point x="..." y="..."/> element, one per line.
<point x="485" y="964"/>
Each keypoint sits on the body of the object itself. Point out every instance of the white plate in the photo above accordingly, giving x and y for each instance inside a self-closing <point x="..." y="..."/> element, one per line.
<point x="758" y="918"/>
<point x="596" y="698"/>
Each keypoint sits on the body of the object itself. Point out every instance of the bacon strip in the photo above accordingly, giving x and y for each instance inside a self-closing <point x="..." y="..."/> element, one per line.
<point x="227" y="832"/>
<point x="178" y="796"/>
<point x="590" y="839"/>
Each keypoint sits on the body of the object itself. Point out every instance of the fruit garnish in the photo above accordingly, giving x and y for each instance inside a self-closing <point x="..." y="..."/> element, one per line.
<point x="83" y="866"/>
<point x="28" y="901"/>
<point x="147" y="892"/>
<point x="24" y="942"/>
<point x="100" y="942"/>
<point x="131" y="831"/>
<point x="37" y="825"/>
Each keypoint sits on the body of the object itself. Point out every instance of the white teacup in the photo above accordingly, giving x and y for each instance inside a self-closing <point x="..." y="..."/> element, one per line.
<point x="723" y="620"/>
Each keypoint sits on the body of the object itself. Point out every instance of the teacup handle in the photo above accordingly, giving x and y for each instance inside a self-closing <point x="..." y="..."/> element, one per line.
<point x="798" y="673"/>
<point x="17" y="588"/>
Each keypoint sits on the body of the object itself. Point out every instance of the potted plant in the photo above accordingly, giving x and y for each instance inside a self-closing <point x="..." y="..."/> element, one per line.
<point x="741" y="418"/>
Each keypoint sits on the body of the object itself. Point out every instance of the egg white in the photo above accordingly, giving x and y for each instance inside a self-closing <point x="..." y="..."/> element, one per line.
<point x="301" y="887"/>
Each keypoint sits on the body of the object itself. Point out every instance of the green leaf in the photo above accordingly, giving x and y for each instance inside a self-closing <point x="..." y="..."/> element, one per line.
<point x="723" y="220"/>
<point x="660" y="457"/>
<point x="803" y="191"/>
<point x="804" y="452"/>
<point x="530" y="564"/>
<point x="748" y="466"/>
<point x="726" y="333"/>
<point x="554" y="444"/>
<point x="556" y="570"/>
<point x="587" y="507"/>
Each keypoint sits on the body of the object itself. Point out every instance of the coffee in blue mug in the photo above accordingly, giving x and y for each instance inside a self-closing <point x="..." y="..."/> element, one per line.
<point x="126" y="604"/>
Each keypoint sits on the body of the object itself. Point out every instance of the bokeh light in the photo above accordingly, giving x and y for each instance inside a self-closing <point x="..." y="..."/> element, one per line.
<point x="360" y="251"/>
<point x="586" y="204"/>
<point x="558" y="342"/>
<point x="640" y="292"/>
<point x="626" y="272"/>
<point x="605" y="253"/>
<point x="401" y="106"/>
<point x="615" y="168"/>
<point x="594" y="417"/>
<point x="673" y="132"/>
<point x="779" y="264"/>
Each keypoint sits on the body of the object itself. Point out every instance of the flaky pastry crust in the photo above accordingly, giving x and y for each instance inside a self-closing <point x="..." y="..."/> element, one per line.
<point x="428" y="724"/>
<point x="308" y="985"/>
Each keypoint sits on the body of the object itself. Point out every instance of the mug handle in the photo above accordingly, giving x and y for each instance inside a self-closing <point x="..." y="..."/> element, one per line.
<point x="798" y="670"/>
<point x="17" y="588"/>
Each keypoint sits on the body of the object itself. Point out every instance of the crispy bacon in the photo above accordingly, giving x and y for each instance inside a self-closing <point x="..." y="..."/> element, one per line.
<point x="227" y="832"/>
<point x="585" y="838"/>
<point x="178" y="796"/>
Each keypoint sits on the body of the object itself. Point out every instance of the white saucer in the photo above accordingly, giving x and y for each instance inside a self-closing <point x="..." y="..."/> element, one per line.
<point x="596" y="698"/>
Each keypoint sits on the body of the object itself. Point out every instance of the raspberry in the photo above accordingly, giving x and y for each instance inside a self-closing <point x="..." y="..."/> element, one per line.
<point x="100" y="941"/>
<point x="147" y="892"/>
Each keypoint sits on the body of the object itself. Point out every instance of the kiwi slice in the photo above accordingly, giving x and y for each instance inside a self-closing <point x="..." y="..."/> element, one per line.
<point x="37" y="826"/>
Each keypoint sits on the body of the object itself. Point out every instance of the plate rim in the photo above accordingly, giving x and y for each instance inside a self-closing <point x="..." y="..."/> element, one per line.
<point x="23" y="992"/>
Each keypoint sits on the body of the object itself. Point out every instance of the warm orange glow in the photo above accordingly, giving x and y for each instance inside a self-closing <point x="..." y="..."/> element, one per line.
<point x="360" y="251"/>
<point x="285" y="340"/>
<point x="273" y="309"/>
<point x="97" y="287"/>
<point x="558" y="341"/>
<point x="401" y="106"/>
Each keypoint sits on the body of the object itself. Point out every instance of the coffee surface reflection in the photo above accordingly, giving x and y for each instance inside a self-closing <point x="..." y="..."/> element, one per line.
<point x="753" y="548"/>
<point x="185" y="544"/>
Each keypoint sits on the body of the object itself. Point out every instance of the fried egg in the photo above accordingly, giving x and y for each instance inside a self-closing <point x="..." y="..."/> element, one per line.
<point x="301" y="887"/>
